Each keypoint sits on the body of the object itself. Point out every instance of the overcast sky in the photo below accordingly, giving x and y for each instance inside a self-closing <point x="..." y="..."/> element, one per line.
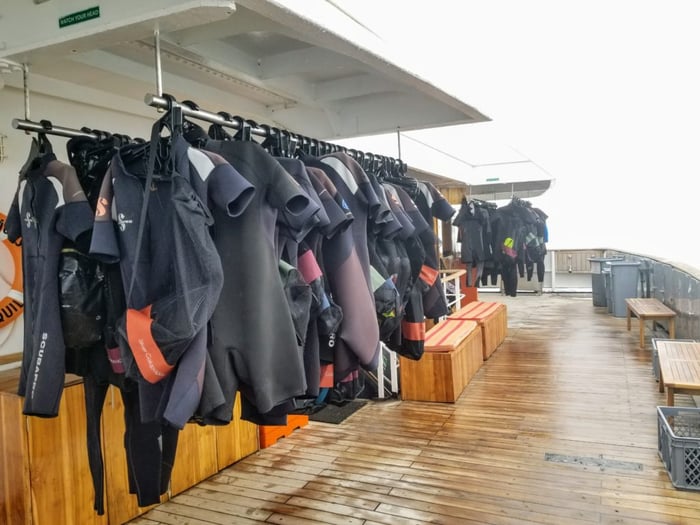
<point x="603" y="95"/>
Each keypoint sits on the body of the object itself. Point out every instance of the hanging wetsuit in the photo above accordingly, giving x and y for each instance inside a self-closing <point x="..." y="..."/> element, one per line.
<point x="48" y="208"/>
<point x="161" y="405"/>
<point x="434" y="300"/>
<point x="302" y="255"/>
<point x="508" y="243"/>
<point x="409" y="341"/>
<point x="543" y="235"/>
<point x="356" y="343"/>
<point x="472" y="220"/>
<point x="330" y="318"/>
<point x="254" y="344"/>
<point x="359" y="328"/>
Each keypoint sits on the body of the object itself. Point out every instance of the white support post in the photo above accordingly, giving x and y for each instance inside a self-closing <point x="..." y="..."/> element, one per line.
<point x="394" y="371"/>
<point x="380" y="372"/>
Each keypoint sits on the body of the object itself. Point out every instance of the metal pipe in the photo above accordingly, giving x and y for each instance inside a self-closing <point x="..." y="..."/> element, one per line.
<point x="161" y="102"/>
<point x="398" y="140"/>
<point x="28" y="125"/>
<point x="25" y="82"/>
<point x="157" y="101"/>
<point x="159" y="68"/>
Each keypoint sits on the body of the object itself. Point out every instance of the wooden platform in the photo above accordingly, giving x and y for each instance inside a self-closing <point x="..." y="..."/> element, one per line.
<point x="558" y="427"/>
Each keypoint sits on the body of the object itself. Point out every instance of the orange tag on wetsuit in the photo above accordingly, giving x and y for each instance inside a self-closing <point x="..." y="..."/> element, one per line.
<point x="149" y="358"/>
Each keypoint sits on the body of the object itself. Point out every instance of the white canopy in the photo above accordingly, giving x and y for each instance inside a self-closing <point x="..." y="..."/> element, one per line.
<point x="270" y="61"/>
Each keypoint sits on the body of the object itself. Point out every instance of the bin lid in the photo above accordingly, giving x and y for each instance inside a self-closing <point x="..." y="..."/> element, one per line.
<point x="604" y="259"/>
<point x="624" y="263"/>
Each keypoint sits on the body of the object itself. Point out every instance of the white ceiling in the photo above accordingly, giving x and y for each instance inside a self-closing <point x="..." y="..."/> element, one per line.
<point x="256" y="58"/>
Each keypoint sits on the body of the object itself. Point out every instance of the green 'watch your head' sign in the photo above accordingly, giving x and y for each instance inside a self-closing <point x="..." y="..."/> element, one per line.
<point x="80" y="16"/>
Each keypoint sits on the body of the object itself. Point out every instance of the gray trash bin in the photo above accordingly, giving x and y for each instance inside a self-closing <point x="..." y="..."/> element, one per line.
<point x="624" y="283"/>
<point x="598" y="279"/>
<point x="608" y="287"/>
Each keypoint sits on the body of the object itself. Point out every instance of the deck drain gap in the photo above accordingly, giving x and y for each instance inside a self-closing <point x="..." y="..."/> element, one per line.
<point x="590" y="461"/>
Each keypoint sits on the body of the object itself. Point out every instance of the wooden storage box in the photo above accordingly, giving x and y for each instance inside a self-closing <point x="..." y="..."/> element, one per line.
<point x="493" y="319"/>
<point x="269" y="434"/>
<point x="452" y="356"/>
<point x="44" y="471"/>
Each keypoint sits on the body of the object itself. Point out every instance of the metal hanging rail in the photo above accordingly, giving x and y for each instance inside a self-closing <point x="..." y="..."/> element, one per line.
<point x="161" y="102"/>
<point x="47" y="127"/>
<point x="190" y="109"/>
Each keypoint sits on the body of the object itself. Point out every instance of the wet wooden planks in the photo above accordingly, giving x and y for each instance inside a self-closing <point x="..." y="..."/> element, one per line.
<point x="568" y="383"/>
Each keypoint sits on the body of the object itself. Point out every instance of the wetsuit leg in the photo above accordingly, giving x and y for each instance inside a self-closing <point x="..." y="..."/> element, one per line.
<point x="479" y="272"/>
<point x="95" y="394"/>
<point x="144" y="454"/>
<point x="510" y="280"/>
<point x="540" y="270"/>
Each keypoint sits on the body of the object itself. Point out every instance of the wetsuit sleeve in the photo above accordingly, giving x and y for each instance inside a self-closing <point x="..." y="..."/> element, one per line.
<point x="286" y="194"/>
<point x="300" y="224"/>
<point x="339" y="217"/>
<point x="75" y="220"/>
<point x="226" y="188"/>
<point x="75" y="223"/>
<point x="440" y="207"/>
<point x="389" y="228"/>
<point x="13" y="224"/>
<point x="322" y="216"/>
<point x="412" y="211"/>
<point x="298" y="171"/>
<point x="104" y="244"/>
<point x="407" y="228"/>
<point x="378" y="211"/>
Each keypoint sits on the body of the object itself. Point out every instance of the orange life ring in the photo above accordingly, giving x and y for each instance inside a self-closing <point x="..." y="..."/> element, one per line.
<point x="12" y="304"/>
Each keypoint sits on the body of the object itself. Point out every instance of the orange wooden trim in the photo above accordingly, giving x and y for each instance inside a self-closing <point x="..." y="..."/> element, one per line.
<point x="443" y="332"/>
<point x="476" y="310"/>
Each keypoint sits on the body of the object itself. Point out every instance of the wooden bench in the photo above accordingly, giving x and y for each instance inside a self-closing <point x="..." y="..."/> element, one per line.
<point x="493" y="319"/>
<point x="452" y="357"/>
<point x="650" y="309"/>
<point x="679" y="368"/>
<point x="655" y="353"/>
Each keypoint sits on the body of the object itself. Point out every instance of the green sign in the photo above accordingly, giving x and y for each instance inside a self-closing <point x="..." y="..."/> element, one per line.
<point x="80" y="16"/>
<point x="494" y="179"/>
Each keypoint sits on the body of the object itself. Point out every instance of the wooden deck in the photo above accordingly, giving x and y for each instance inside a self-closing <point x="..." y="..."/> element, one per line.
<point x="558" y="427"/>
